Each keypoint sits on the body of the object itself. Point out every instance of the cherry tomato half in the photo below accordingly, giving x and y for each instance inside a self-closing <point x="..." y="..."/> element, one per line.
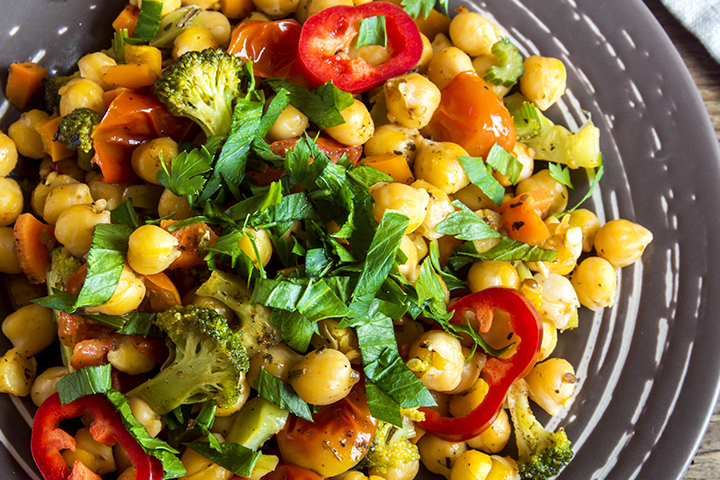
<point x="271" y="46"/>
<point x="471" y="115"/>
<point x="338" y="439"/>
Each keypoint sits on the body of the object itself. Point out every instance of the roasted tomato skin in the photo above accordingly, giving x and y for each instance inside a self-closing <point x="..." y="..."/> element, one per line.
<point x="271" y="46"/>
<point x="337" y="440"/>
<point x="286" y="471"/>
<point x="473" y="116"/>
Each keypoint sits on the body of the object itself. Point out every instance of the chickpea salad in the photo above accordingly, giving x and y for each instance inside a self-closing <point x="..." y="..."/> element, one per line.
<point x="299" y="239"/>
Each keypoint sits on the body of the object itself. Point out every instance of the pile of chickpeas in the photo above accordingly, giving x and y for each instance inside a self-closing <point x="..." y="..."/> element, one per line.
<point x="387" y="122"/>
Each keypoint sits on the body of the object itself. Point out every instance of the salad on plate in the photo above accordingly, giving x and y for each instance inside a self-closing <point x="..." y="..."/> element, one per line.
<point x="299" y="240"/>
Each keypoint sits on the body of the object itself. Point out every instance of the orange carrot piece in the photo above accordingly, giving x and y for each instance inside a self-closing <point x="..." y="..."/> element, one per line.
<point x="190" y="241"/>
<point x="523" y="222"/>
<point x="161" y="292"/>
<point x="129" y="75"/>
<point x="33" y="242"/>
<point x="111" y="95"/>
<point x="127" y="19"/>
<point x="540" y="200"/>
<point x="47" y="130"/>
<point x="24" y="82"/>
<point x="394" y="165"/>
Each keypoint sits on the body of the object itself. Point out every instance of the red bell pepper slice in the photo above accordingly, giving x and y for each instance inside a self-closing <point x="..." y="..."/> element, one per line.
<point x="327" y="36"/>
<point x="130" y="120"/>
<point x="107" y="427"/>
<point x="499" y="373"/>
<point x="271" y="46"/>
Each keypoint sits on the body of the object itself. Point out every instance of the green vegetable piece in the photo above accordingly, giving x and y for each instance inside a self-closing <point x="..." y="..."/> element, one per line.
<point x="527" y="118"/>
<point x="372" y="32"/>
<point x="576" y="150"/>
<point x="257" y="331"/>
<point x="510" y="64"/>
<point x="76" y="129"/>
<point x="52" y="97"/>
<point x="174" y="23"/>
<point x="391" y="448"/>
<point x="148" y="21"/>
<point x="257" y="422"/>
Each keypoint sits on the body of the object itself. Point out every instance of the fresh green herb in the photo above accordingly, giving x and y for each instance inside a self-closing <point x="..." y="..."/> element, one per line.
<point x="508" y="250"/>
<point x="481" y="174"/>
<point x="105" y="261"/>
<point x="464" y="224"/>
<point x="85" y="381"/>
<point x="372" y="32"/>
<point x="59" y="300"/>
<point x="174" y="23"/>
<point x="295" y="329"/>
<point x="281" y="394"/>
<point x="504" y="162"/>
<point x="595" y="181"/>
<point x="232" y="456"/>
<point x="125" y="214"/>
<point x="560" y="174"/>
<point x="187" y="176"/>
<point x="120" y="39"/>
<point x="159" y="449"/>
<point x="367" y="176"/>
<point x="510" y="64"/>
<point x="321" y="105"/>
<point x="148" y="21"/>
<point x="415" y="8"/>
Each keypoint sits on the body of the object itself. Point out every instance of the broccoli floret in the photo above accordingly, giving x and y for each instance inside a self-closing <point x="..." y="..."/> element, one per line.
<point x="76" y="129"/>
<point x="541" y="454"/>
<point x="391" y="448"/>
<point x="202" y="86"/>
<point x="209" y="361"/>
<point x="52" y="97"/>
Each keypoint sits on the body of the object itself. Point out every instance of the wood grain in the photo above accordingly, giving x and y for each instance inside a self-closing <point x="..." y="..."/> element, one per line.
<point x="706" y="73"/>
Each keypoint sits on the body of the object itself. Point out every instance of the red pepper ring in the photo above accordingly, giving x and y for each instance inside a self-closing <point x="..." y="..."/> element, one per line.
<point x="327" y="36"/>
<point x="107" y="427"/>
<point x="499" y="373"/>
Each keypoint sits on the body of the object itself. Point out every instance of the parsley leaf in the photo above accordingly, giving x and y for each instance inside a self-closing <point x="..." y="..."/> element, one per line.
<point x="416" y="7"/>
<point x="281" y="394"/>
<point x="148" y="21"/>
<point x="186" y="176"/>
<point x="232" y="456"/>
<point x="464" y="224"/>
<point x="85" y="381"/>
<point x="508" y="250"/>
<point x="125" y="214"/>
<point x="480" y="174"/>
<point x="560" y="174"/>
<point x="321" y="105"/>
<point x="372" y="32"/>
<point x="596" y="180"/>
<point x="504" y="162"/>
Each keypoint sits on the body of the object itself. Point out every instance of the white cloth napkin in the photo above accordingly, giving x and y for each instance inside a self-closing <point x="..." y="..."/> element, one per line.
<point x="702" y="18"/>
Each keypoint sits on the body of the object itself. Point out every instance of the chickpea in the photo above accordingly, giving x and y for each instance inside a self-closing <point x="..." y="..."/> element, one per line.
<point x="236" y="9"/>
<point x="75" y="226"/>
<point x="11" y="201"/>
<point x="45" y="384"/>
<point x="437" y="164"/>
<point x="588" y="223"/>
<point x="31" y="329"/>
<point x="471" y="465"/>
<point x="543" y="179"/>
<point x="474" y="34"/>
<point x="440" y="42"/>
<point x="91" y="67"/>
<point x="410" y="268"/>
<point x="492" y="273"/>
<point x="358" y="127"/>
<point x="256" y="244"/>
<point x="126" y="358"/>
<point x="436" y="358"/>
<point x="42" y="189"/>
<point x="290" y="124"/>
<point x="342" y="339"/>
<point x="544" y="80"/>
<point x="97" y="456"/>
<point x="151" y="420"/>
<point x="8" y="155"/>
<point x="151" y="249"/>
<point x="219" y="27"/>
<point x="446" y="64"/>
<point x="308" y="8"/>
<point x="551" y="384"/>
<point x="127" y="296"/>
<point x="549" y="340"/>
<point x="411" y="100"/>
<point x="406" y="471"/>
<point x="426" y="56"/>
<point x="494" y="439"/>
<point x="9" y="262"/>
<point x="392" y="138"/>
<point x="437" y="210"/>
<point x="567" y="241"/>
<point x="112" y="193"/>
<point x="595" y="282"/>
<point x="471" y="371"/>
<point x="463" y="403"/>
<point x="63" y="197"/>
<point x="524" y="155"/>
<point x="172" y="204"/>
<point x="375" y="55"/>
<point x="503" y="468"/>
<point x="26" y="138"/>
<point x="420" y="244"/>
<point x="278" y="360"/>
<point x="622" y="242"/>
<point x="81" y="93"/>
<point x="146" y="158"/>
<point x="474" y="198"/>
<point x="559" y="300"/>
<point x="403" y="198"/>
<point x="169" y="6"/>
<point x="439" y="455"/>
<point x="17" y="373"/>
<point x="276" y="8"/>
<point x="66" y="166"/>
<point x="323" y="377"/>
<point x="193" y="39"/>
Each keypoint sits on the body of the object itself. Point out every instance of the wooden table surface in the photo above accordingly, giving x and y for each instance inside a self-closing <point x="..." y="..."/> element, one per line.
<point x="706" y="73"/>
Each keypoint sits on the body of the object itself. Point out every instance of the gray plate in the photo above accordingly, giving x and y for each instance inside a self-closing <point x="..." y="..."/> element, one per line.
<point x="648" y="368"/>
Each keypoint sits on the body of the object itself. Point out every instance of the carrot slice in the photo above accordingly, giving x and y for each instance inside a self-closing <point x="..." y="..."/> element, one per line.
<point x="161" y="292"/>
<point x="539" y="200"/>
<point x="394" y="165"/>
<point x="523" y="217"/>
<point x="24" y="82"/>
<point x="33" y="242"/>
<point x="127" y="19"/>
<point x="129" y="75"/>
<point x="47" y="130"/>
